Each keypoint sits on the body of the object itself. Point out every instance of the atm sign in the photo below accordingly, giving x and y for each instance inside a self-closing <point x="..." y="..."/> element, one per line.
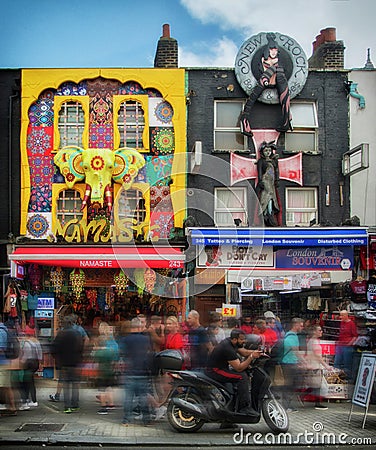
<point x="46" y="303"/>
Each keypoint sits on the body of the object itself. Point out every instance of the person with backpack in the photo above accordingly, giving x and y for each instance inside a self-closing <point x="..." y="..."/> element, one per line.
<point x="5" y="379"/>
<point x="292" y="363"/>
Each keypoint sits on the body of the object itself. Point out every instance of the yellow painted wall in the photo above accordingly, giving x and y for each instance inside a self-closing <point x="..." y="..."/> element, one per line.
<point x="169" y="82"/>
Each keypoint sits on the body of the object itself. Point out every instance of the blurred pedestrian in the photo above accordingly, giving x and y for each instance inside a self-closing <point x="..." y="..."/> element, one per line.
<point x="246" y="324"/>
<point x="315" y="364"/>
<point x="9" y="407"/>
<point x="135" y="351"/>
<point x="106" y="354"/>
<point x="30" y="361"/>
<point x="216" y="320"/>
<point x="199" y="344"/>
<point x="67" y="349"/>
<point x="292" y="365"/>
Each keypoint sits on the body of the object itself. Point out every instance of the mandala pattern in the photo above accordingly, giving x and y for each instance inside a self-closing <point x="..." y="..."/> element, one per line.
<point x="165" y="222"/>
<point x="37" y="225"/>
<point x="41" y="113"/>
<point x="70" y="88"/>
<point x="163" y="112"/>
<point x="163" y="141"/>
<point x="41" y="170"/>
<point x="158" y="169"/>
<point x="160" y="113"/>
<point x="39" y="140"/>
<point x="101" y="136"/>
<point x="40" y="199"/>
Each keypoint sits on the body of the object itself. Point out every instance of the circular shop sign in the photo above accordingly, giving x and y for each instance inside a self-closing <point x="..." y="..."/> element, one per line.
<point x="291" y="58"/>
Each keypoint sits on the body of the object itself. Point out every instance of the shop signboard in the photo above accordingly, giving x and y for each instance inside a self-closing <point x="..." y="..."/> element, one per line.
<point x="364" y="383"/>
<point x="227" y="256"/>
<point x="316" y="258"/>
<point x="230" y="310"/>
<point x="46" y="303"/>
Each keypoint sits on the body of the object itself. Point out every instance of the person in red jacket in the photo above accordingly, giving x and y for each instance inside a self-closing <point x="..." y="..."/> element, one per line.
<point x="348" y="334"/>
<point x="269" y="336"/>
<point x="174" y="339"/>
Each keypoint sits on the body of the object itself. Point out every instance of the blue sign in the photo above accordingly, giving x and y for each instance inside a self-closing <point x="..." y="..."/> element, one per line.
<point x="280" y="237"/>
<point x="46" y="303"/>
<point x="317" y="258"/>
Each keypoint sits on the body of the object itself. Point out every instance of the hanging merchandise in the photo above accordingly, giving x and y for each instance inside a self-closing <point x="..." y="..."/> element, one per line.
<point x="35" y="277"/>
<point x="139" y="280"/>
<point x="121" y="282"/>
<point x="57" y="279"/>
<point x="91" y="295"/>
<point x="149" y="277"/>
<point x="77" y="278"/>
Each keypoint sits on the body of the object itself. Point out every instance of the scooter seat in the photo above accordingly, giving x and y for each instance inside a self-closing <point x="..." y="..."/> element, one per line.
<point x="228" y="386"/>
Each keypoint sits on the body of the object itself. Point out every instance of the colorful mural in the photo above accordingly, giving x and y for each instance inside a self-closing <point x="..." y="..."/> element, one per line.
<point x="95" y="113"/>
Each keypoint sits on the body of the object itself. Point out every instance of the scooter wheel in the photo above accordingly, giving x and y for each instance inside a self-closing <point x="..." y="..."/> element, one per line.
<point x="275" y="415"/>
<point x="183" y="421"/>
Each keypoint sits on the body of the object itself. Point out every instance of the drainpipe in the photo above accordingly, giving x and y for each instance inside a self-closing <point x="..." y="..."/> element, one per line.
<point x="10" y="198"/>
<point x="354" y="93"/>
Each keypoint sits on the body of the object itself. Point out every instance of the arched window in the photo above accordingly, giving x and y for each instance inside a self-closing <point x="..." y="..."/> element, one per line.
<point x="71" y="124"/>
<point x="131" y="124"/>
<point x="69" y="206"/>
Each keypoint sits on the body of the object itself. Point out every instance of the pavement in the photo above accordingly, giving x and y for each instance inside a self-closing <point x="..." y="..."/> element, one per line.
<point x="47" y="424"/>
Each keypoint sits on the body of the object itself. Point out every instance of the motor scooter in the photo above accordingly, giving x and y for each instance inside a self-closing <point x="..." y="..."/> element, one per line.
<point x="196" y="399"/>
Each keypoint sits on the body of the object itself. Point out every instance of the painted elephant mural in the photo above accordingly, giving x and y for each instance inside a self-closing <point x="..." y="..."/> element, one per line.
<point x="99" y="167"/>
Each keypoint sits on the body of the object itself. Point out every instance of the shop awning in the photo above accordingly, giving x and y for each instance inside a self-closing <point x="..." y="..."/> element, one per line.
<point x="282" y="237"/>
<point x="100" y="257"/>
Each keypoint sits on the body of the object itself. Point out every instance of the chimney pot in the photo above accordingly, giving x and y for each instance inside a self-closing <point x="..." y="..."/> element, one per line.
<point x="329" y="34"/>
<point x="166" y="30"/>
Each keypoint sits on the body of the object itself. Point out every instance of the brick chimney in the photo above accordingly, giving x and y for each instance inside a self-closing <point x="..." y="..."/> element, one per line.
<point x="166" y="55"/>
<point x="328" y="53"/>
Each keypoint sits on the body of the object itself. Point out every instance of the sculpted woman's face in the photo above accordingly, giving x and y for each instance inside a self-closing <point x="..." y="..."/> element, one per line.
<point x="267" y="152"/>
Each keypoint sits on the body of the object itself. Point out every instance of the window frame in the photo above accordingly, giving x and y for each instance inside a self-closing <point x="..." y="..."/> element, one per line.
<point x="118" y="100"/>
<point x="144" y="189"/>
<point x="302" y="129"/>
<point x="234" y="130"/>
<point x="314" y="209"/>
<point x="57" y="188"/>
<point x="229" y="210"/>
<point x="59" y="101"/>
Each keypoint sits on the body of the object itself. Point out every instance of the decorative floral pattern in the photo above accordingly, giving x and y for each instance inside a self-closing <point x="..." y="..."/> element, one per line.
<point x="41" y="113"/>
<point x="163" y="112"/>
<point x="158" y="169"/>
<point x="41" y="170"/>
<point x="101" y="136"/>
<point x="160" y="195"/>
<point x="37" y="225"/>
<point x="40" y="199"/>
<point x="70" y="88"/>
<point x="165" y="222"/>
<point x="39" y="140"/>
<point x="162" y="141"/>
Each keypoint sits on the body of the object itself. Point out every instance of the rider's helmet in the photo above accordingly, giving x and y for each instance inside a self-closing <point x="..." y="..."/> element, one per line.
<point x="252" y="341"/>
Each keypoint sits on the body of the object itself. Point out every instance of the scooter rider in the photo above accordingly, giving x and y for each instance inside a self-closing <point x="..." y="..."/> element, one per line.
<point x="225" y="366"/>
